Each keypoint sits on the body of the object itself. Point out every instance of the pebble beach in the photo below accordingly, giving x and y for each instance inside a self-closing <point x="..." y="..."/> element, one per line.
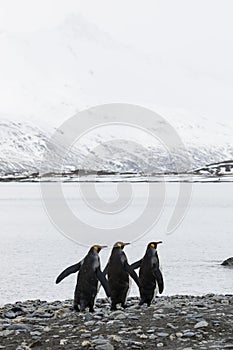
<point x="171" y="322"/>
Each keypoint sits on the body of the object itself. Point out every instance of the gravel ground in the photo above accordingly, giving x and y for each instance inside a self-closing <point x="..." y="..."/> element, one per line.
<point x="176" y="322"/>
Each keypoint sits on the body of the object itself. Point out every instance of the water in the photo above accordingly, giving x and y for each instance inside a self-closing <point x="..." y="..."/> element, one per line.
<point x="33" y="252"/>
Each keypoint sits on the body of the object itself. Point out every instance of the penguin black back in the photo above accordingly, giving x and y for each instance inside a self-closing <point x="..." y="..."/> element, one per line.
<point x="118" y="271"/>
<point x="87" y="281"/>
<point x="149" y="274"/>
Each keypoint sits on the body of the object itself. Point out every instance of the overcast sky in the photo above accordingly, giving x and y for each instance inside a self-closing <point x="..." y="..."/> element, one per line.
<point x="165" y="22"/>
<point x="196" y="35"/>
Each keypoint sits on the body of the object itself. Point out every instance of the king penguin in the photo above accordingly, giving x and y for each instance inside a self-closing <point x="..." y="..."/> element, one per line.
<point x="118" y="271"/>
<point x="87" y="281"/>
<point x="149" y="274"/>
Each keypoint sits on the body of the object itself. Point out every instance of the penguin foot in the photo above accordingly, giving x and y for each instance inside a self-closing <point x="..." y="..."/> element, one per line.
<point x="76" y="308"/>
<point x="113" y="308"/>
<point x="124" y="305"/>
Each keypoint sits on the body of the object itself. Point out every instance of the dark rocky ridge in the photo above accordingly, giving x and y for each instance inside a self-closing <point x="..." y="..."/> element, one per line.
<point x="176" y="322"/>
<point x="228" y="262"/>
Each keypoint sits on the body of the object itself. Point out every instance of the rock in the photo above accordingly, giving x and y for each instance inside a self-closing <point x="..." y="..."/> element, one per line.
<point x="19" y="326"/>
<point x="10" y="314"/>
<point x="150" y="331"/>
<point x="115" y="338"/>
<point x="100" y="341"/>
<point x="152" y="337"/>
<point x="201" y="324"/>
<point x="86" y="343"/>
<point x="189" y="334"/>
<point x="35" y="334"/>
<point x="170" y="325"/>
<point x="89" y="323"/>
<point x="172" y="337"/>
<point x="143" y="336"/>
<point x="106" y="346"/>
<point x="95" y="330"/>
<point x="118" y="315"/>
<point x="86" y="335"/>
<point x="42" y="314"/>
<point x="179" y="334"/>
<point x="159" y="345"/>
<point x="6" y="333"/>
<point x="63" y="341"/>
<point x="228" y="262"/>
<point x="162" y="334"/>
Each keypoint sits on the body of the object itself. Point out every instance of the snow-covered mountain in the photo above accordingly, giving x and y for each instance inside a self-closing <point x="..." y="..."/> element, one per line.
<point x="47" y="76"/>
<point x="23" y="145"/>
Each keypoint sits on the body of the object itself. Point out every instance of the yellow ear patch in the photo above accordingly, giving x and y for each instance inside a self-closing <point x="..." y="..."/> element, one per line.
<point x="119" y="245"/>
<point x="152" y="245"/>
<point x="96" y="248"/>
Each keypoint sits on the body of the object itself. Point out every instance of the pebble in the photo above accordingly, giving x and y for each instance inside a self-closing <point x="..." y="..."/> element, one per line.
<point x="189" y="334"/>
<point x="19" y="326"/>
<point x="10" y="315"/>
<point x="6" y="333"/>
<point x="152" y="337"/>
<point x="86" y="343"/>
<point x="118" y="315"/>
<point x="106" y="346"/>
<point x="162" y="334"/>
<point x="115" y="338"/>
<point x="201" y="324"/>
<point x="89" y="323"/>
<point x="143" y="336"/>
<point x="179" y="334"/>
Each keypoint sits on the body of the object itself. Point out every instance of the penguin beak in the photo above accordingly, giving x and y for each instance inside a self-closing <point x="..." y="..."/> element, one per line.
<point x="159" y="242"/>
<point x="124" y="244"/>
<point x="98" y="248"/>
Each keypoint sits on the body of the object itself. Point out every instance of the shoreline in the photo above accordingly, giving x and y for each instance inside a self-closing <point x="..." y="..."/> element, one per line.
<point x="181" y="322"/>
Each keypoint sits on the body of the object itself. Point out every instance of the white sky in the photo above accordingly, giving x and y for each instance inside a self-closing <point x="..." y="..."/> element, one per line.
<point x="146" y="22"/>
<point x="192" y="31"/>
<point x="196" y="35"/>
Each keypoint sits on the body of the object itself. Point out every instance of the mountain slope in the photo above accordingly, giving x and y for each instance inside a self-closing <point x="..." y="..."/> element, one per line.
<point x="22" y="146"/>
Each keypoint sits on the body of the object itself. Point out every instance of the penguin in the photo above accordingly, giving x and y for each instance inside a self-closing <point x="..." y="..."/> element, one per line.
<point x="118" y="271"/>
<point x="87" y="280"/>
<point x="149" y="274"/>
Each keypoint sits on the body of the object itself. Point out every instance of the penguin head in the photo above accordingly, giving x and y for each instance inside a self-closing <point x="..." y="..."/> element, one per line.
<point x="153" y="245"/>
<point x="97" y="248"/>
<point x="120" y="245"/>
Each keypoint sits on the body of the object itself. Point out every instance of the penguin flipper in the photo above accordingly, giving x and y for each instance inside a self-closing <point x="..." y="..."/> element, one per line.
<point x="105" y="270"/>
<point x="159" y="279"/>
<point x="132" y="274"/>
<point x="71" y="269"/>
<point x="137" y="264"/>
<point x="101" y="277"/>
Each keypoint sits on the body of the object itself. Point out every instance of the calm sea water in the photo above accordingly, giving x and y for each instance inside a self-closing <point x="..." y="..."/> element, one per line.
<point x="33" y="252"/>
